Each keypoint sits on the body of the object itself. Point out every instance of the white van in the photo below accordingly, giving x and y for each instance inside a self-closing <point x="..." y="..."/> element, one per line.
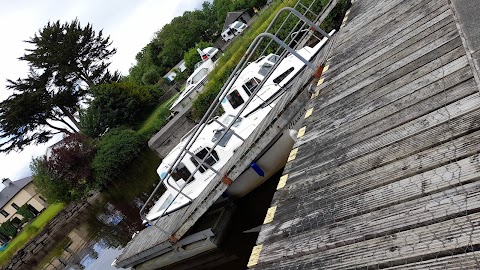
<point x="233" y="30"/>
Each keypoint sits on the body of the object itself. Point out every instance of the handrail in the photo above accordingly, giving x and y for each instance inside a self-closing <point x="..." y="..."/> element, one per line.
<point x="222" y="94"/>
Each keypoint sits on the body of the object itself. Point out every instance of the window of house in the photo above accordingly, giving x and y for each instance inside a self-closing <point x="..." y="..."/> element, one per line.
<point x="283" y="75"/>
<point x="181" y="172"/>
<point x="4" y="213"/>
<point x="235" y="99"/>
<point x="250" y="85"/>
<point x="210" y="160"/>
<point x="14" y="205"/>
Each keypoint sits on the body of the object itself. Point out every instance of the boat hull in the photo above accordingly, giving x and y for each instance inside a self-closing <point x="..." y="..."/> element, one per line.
<point x="270" y="163"/>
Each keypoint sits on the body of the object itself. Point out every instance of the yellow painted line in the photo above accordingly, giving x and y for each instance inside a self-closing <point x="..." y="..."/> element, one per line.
<point x="301" y="132"/>
<point x="320" y="81"/>
<point x="345" y="19"/>
<point x="293" y="154"/>
<point x="270" y="214"/>
<point x="314" y="95"/>
<point x="343" y="25"/>
<point x="325" y="68"/>
<point x="308" y="113"/>
<point x="254" y="256"/>
<point x="347" y="13"/>
<point x="282" y="182"/>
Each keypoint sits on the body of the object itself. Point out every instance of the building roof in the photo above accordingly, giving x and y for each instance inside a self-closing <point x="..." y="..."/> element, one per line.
<point x="231" y="17"/>
<point x="11" y="190"/>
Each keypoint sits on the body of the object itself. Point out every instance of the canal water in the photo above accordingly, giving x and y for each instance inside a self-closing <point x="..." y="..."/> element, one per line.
<point x="111" y="220"/>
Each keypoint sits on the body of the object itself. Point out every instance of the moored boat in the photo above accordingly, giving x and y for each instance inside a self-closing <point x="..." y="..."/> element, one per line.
<point x="189" y="178"/>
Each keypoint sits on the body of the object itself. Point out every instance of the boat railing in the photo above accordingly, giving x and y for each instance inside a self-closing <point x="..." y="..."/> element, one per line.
<point x="210" y="114"/>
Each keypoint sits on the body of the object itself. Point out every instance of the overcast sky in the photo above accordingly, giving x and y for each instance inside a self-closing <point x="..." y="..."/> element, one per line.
<point x="131" y="24"/>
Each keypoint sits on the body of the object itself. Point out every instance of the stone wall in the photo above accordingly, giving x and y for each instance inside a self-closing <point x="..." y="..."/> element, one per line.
<point x="37" y="248"/>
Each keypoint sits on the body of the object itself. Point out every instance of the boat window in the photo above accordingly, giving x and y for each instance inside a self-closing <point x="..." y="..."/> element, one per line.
<point x="273" y="58"/>
<point x="250" y="85"/>
<point x="211" y="51"/>
<point x="264" y="69"/>
<point x="283" y="75"/>
<point x="235" y="99"/>
<point x="210" y="160"/>
<point x="199" y="76"/>
<point x="181" y="172"/>
<point x="218" y="134"/>
<point x="230" y="118"/>
<point x="166" y="203"/>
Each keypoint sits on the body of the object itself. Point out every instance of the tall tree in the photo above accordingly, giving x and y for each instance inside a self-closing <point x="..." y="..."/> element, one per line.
<point x="65" y="61"/>
<point x="71" y="53"/>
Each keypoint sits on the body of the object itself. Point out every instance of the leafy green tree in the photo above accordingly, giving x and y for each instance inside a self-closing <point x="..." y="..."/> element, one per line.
<point x="52" y="187"/>
<point x="26" y="214"/>
<point x="73" y="54"/>
<point x="151" y="76"/>
<point x="116" y="149"/>
<point x="65" y="174"/>
<point x="7" y="228"/>
<point x="65" y="60"/>
<point x="33" y="114"/>
<point x="118" y="104"/>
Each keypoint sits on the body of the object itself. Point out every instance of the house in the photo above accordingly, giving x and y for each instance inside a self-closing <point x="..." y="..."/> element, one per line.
<point x="239" y="15"/>
<point x="170" y="76"/>
<point x="15" y="195"/>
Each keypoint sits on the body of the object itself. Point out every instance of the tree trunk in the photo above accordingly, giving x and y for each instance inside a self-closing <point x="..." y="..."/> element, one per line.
<point x="70" y="116"/>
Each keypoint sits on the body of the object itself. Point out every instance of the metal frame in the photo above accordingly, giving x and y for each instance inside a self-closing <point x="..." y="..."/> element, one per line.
<point x="222" y="94"/>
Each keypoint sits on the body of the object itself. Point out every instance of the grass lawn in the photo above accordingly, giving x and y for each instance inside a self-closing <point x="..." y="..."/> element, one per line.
<point x="157" y="119"/>
<point x="30" y="231"/>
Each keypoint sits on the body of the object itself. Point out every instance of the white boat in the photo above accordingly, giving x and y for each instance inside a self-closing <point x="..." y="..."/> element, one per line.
<point x="198" y="78"/>
<point x="269" y="162"/>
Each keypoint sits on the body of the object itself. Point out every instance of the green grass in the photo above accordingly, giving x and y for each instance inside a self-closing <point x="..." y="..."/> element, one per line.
<point x="157" y="119"/>
<point x="30" y="231"/>
<point x="232" y="56"/>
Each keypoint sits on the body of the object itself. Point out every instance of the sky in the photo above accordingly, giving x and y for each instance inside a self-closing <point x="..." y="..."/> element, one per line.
<point x="131" y="24"/>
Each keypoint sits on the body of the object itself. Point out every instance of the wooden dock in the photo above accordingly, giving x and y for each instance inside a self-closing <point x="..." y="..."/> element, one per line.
<point x="385" y="173"/>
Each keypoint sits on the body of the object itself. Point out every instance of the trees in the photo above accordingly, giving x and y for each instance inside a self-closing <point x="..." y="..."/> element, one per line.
<point x="115" y="150"/>
<point x="73" y="54"/>
<point x="65" y="61"/>
<point x="118" y="104"/>
<point x="65" y="174"/>
<point x="25" y="213"/>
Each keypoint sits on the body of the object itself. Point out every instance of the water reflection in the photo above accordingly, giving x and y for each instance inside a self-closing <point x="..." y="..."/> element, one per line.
<point x="110" y="221"/>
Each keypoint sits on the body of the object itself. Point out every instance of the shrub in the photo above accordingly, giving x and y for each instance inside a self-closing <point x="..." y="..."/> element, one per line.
<point x="26" y="214"/>
<point x="115" y="150"/>
<point x="8" y="229"/>
<point x="118" y="104"/>
<point x="52" y="188"/>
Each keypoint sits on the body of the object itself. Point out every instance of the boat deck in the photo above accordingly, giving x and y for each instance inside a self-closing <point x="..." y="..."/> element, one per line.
<point x="385" y="173"/>
<point x="153" y="240"/>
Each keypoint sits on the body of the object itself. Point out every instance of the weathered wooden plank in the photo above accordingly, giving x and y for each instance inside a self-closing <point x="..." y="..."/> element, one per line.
<point x="465" y="260"/>
<point x="363" y="46"/>
<point x="338" y="154"/>
<point x="407" y="107"/>
<point x="392" y="52"/>
<point x="365" y="24"/>
<point x="333" y="205"/>
<point x="396" y="77"/>
<point x="297" y="238"/>
<point x="447" y="237"/>
<point x="455" y="139"/>
<point x="348" y="109"/>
